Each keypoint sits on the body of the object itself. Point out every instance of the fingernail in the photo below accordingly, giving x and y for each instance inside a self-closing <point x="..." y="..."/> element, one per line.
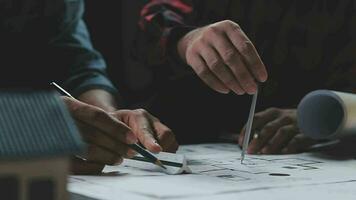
<point x="238" y="93"/>
<point x="225" y="91"/>
<point x="158" y="145"/>
<point x="251" y="92"/>
<point x="155" y="142"/>
<point x="263" y="78"/>
<point x="254" y="89"/>
<point x="131" y="153"/>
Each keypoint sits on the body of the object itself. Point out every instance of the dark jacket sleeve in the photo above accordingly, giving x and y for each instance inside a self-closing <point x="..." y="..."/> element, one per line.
<point x="87" y="68"/>
<point x="162" y="24"/>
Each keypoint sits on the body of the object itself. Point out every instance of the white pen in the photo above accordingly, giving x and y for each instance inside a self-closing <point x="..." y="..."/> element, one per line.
<point x="249" y="126"/>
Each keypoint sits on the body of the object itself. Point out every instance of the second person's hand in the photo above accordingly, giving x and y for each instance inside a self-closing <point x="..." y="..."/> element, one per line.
<point x="277" y="133"/>
<point x="223" y="57"/>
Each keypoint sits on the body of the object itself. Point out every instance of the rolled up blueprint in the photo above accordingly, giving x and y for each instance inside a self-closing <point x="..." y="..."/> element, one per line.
<point x="326" y="114"/>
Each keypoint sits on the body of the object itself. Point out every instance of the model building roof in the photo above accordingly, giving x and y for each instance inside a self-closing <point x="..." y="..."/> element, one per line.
<point x="36" y="124"/>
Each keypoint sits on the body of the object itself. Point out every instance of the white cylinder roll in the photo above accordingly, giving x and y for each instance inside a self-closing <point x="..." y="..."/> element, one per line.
<point x="326" y="114"/>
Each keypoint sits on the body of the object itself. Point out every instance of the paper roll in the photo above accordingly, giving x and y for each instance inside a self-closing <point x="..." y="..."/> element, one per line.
<point x="326" y="114"/>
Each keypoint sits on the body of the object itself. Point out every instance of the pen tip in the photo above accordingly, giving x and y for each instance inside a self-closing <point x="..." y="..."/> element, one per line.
<point x="159" y="163"/>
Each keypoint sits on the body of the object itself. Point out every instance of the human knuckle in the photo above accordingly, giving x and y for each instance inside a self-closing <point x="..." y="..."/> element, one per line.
<point x="215" y="65"/>
<point x="203" y="72"/>
<point x="200" y="44"/>
<point x="191" y="59"/>
<point x="299" y="140"/>
<point x="269" y="127"/>
<point x="226" y="22"/>
<point x="167" y="131"/>
<point x="230" y="24"/>
<point x="244" y="47"/>
<point x="235" y="26"/>
<point x="287" y="118"/>
<point x="205" y="37"/>
<point x="140" y="111"/>
<point x="229" y="55"/>
<point x="191" y="50"/>
<point x="257" y="117"/>
<point x="213" y="61"/>
<point x="273" y="110"/>
<point x="213" y="30"/>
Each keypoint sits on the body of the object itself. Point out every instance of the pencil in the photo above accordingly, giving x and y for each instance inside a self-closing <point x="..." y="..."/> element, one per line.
<point x="167" y="163"/>
<point x="147" y="155"/>
<point x="249" y="126"/>
<point x="135" y="147"/>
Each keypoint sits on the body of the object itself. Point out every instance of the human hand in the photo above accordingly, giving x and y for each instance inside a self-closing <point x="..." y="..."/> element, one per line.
<point x="147" y="128"/>
<point x="106" y="136"/>
<point x="151" y="133"/>
<point x="223" y="57"/>
<point x="278" y="133"/>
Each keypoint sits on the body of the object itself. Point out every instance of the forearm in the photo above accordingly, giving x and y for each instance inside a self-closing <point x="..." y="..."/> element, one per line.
<point x="101" y="99"/>
<point x="83" y="66"/>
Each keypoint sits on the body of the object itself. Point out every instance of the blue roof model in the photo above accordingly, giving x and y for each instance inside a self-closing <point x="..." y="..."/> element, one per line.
<point x="36" y="124"/>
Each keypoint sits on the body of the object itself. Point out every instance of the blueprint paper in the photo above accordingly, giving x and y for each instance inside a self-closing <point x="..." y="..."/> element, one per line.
<point x="216" y="170"/>
<point x="179" y="163"/>
<point x="332" y="191"/>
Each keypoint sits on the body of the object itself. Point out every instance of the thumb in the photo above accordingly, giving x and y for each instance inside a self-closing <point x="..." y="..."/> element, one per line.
<point x="141" y="126"/>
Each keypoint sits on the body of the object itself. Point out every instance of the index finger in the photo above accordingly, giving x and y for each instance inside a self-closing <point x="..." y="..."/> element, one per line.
<point x="260" y="119"/>
<point x="145" y="131"/>
<point x="101" y="120"/>
<point x="248" y="51"/>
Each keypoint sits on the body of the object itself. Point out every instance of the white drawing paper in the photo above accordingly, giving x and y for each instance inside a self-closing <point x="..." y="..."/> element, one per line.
<point x="216" y="170"/>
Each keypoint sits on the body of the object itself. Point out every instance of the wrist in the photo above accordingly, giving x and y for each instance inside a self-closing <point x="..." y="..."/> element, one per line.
<point x="181" y="49"/>
<point x="183" y="43"/>
<point x="99" y="98"/>
<point x="175" y="36"/>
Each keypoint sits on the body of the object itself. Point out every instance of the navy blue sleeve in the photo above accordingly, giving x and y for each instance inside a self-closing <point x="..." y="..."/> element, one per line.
<point x="87" y="68"/>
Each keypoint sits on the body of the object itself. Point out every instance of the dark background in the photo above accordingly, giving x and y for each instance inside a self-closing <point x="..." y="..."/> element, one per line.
<point x="113" y="27"/>
<point x="192" y="110"/>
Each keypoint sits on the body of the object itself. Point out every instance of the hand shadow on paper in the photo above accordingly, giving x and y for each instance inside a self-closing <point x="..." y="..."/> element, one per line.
<point x="343" y="149"/>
